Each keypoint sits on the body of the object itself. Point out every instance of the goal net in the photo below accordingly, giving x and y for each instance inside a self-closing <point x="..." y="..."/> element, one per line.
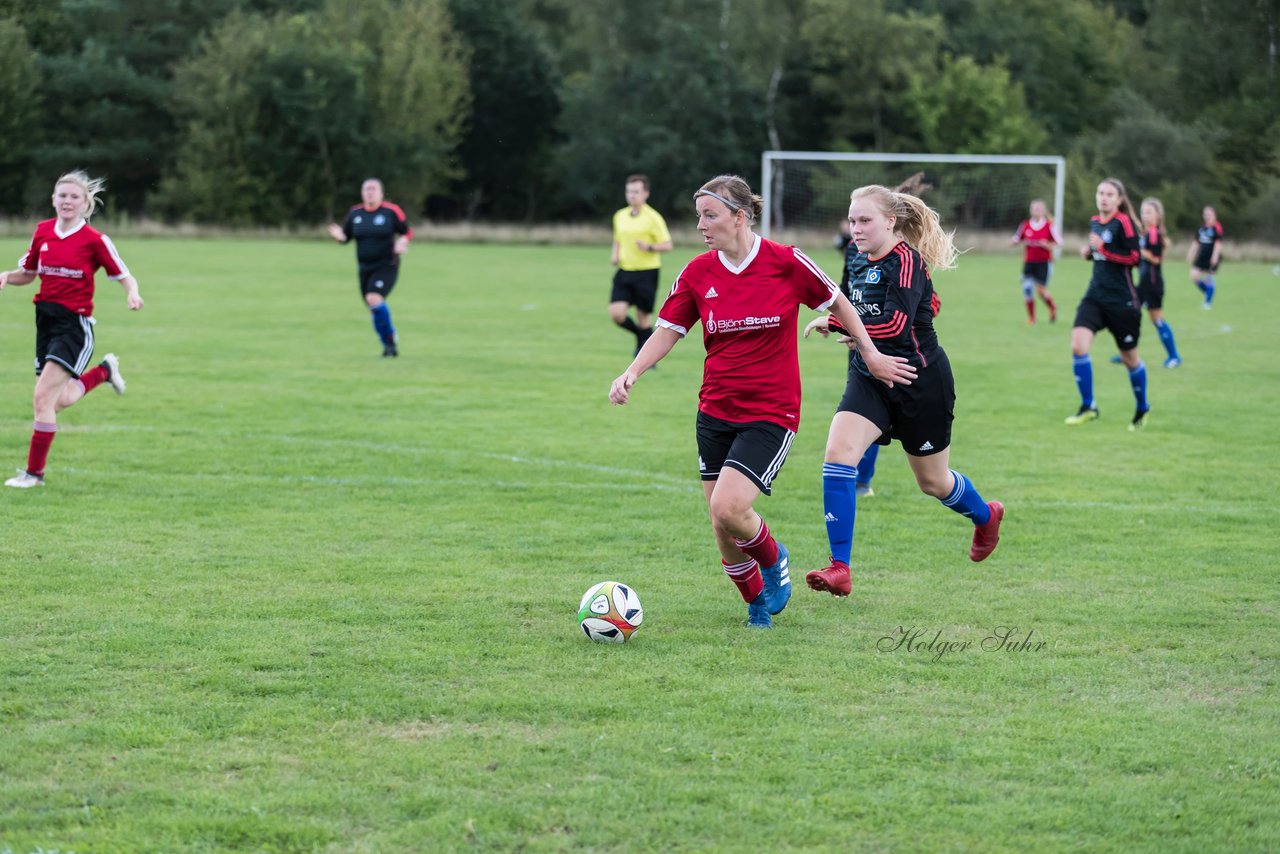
<point x="982" y="197"/>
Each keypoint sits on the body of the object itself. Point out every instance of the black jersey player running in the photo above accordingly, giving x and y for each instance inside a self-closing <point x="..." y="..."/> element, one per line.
<point x="382" y="235"/>
<point x="1111" y="302"/>
<point x="899" y="238"/>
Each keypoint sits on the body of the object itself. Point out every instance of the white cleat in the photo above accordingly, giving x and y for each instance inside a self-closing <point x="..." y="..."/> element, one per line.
<point x="112" y="364"/>
<point x="24" y="480"/>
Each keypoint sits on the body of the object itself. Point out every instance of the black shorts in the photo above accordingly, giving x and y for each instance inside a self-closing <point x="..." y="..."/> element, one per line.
<point x="1204" y="261"/>
<point x="379" y="280"/>
<point x="1037" y="271"/>
<point x="635" y="287"/>
<point x="64" y="337"/>
<point x="1151" y="287"/>
<point x="756" y="448"/>
<point x="1122" y="321"/>
<point x="917" y="415"/>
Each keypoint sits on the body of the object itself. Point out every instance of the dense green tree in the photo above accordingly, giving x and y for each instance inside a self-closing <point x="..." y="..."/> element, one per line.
<point x="285" y="115"/>
<point x="19" y="116"/>
<point x="514" y="107"/>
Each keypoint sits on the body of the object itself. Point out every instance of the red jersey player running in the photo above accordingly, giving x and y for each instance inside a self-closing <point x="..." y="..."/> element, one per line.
<point x="65" y="253"/>
<point x="746" y="291"/>
<point x="1039" y="235"/>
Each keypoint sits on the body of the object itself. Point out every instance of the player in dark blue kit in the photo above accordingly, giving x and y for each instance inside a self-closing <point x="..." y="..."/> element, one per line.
<point x="1205" y="255"/>
<point x="899" y="238"/>
<point x="382" y="233"/>
<point x="1111" y="302"/>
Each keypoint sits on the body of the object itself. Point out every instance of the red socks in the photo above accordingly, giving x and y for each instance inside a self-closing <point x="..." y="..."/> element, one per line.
<point x="1031" y="310"/>
<point x="93" y="378"/>
<point x="746" y="576"/>
<point x="41" y="438"/>
<point x="762" y="547"/>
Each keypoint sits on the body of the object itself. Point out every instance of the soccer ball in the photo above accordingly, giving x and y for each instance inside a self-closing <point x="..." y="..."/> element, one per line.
<point x="610" y="612"/>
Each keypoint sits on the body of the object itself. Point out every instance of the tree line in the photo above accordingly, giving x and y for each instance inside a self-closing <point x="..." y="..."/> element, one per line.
<point x="251" y="112"/>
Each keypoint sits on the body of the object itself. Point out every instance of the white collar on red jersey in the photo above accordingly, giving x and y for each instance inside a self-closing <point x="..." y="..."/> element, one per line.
<point x="746" y="262"/>
<point x="63" y="236"/>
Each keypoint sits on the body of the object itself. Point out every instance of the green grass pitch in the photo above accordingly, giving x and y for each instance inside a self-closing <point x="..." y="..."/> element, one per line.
<point x="286" y="595"/>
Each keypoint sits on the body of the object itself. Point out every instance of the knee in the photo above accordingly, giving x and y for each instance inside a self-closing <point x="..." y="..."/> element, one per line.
<point x="937" y="486"/>
<point x="727" y="516"/>
<point x="373" y="300"/>
<point x="618" y="312"/>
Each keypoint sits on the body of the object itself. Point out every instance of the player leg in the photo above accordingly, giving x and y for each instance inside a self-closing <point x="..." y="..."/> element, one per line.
<point x="1027" y="285"/>
<point x="376" y="287"/>
<point x="49" y="389"/>
<point x="1086" y="325"/>
<point x="1126" y="334"/>
<point x="866" y="471"/>
<point x="646" y="293"/>
<point x="620" y="301"/>
<point x="1210" y="286"/>
<point x="850" y="436"/>
<point x="954" y="490"/>
<point x="1042" y="288"/>
<point x="1155" y="309"/>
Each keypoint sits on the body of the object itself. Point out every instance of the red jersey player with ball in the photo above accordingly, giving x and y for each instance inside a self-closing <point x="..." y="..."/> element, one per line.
<point x="746" y="291"/>
<point x="65" y="253"/>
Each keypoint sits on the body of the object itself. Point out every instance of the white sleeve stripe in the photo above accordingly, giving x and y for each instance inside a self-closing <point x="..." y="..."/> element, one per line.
<point x="115" y="256"/>
<point x="815" y="269"/>
<point x="667" y="324"/>
<point x="22" y="262"/>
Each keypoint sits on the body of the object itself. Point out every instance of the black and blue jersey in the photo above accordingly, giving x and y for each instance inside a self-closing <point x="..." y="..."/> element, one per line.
<point x="375" y="232"/>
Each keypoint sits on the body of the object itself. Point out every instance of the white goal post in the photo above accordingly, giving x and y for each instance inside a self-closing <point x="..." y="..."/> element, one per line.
<point x="808" y="191"/>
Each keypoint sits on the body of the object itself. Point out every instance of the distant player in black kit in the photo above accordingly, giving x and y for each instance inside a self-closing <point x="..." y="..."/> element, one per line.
<point x="1205" y="255"/>
<point x="899" y="238"/>
<point x="1111" y="302"/>
<point x="382" y="235"/>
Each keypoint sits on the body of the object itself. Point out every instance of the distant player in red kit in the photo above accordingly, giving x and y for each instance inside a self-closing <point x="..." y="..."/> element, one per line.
<point x="65" y="253"/>
<point x="1039" y="236"/>
<point x="382" y="233"/>
<point x="746" y="291"/>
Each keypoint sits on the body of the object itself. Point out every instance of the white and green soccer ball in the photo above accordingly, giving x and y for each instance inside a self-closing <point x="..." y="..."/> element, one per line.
<point x="610" y="612"/>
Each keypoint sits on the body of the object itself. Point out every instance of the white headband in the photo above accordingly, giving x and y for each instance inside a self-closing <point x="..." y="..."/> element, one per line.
<point x="728" y="203"/>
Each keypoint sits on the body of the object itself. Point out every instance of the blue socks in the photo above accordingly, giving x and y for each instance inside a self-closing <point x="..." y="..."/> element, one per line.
<point x="1138" y="379"/>
<point x="1166" y="338"/>
<point x="382" y="323"/>
<point x="839" y="485"/>
<point x="1083" y="369"/>
<point x="1209" y="287"/>
<point x="966" y="501"/>
<point x="867" y="465"/>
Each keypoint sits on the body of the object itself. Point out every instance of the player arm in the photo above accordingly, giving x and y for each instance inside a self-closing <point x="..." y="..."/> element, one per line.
<point x="665" y="336"/>
<point x="660" y="241"/>
<point x="613" y="255"/>
<point x="402" y="229"/>
<point x="887" y="369"/>
<point x="16" y="277"/>
<point x="1217" y="250"/>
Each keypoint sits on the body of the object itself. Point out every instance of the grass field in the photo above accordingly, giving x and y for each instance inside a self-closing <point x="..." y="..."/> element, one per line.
<point x="286" y="595"/>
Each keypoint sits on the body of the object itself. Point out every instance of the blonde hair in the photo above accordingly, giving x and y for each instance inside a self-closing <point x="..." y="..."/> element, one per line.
<point x="918" y="223"/>
<point x="736" y="193"/>
<point x="92" y="188"/>
<point x="1159" y="208"/>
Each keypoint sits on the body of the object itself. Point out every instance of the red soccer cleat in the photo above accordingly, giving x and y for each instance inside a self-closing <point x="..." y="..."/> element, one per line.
<point x="986" y="536"/>
<point x="834" y="579"/>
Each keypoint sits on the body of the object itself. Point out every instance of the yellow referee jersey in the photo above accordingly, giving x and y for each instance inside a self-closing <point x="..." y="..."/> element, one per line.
<point x="647" y="226"/>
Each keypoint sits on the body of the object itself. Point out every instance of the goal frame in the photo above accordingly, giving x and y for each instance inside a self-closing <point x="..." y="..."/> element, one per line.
<point x="767" y="159"/>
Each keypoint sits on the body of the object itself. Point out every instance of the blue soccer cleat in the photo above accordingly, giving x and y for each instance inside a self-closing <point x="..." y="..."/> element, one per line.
<point x="777" y="582"/>
<point x="758" y="615"/>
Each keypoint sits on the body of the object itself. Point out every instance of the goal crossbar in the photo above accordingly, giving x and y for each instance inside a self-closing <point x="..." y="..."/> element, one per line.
<point x="768" y="159"/>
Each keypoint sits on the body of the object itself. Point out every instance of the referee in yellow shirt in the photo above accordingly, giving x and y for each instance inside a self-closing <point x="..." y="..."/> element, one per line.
<point x="639" y="234"/>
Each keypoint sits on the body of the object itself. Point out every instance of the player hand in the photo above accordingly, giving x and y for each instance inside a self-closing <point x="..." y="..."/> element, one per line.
<point x="1086" y="252"/>
<point x="402" y="245"/>
<point x="134" y="301"/>
<point x="4" y="279"/>
<point x="820" y="325"/>
<point x="621" y="388"/>
<point x="890" y="369"/>
<point x="336" y="232"/>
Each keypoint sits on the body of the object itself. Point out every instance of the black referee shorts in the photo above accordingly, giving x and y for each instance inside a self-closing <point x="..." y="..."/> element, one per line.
<point x="917" y="415"/>
<point x="756" y="448"/>
<point x="635" y="287"/>
<point x="1124" y="322"/>
<point x="64" y="337"/>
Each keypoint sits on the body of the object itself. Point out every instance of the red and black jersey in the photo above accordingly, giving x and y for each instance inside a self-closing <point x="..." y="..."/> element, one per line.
<point x="748" y="315"/>
<point x="1036" y="230"/>
<point x="375" y="232"/>
<point x="895" y="301"/>
<point x="66" y="263"/>
<point x="1113" y="263"/>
